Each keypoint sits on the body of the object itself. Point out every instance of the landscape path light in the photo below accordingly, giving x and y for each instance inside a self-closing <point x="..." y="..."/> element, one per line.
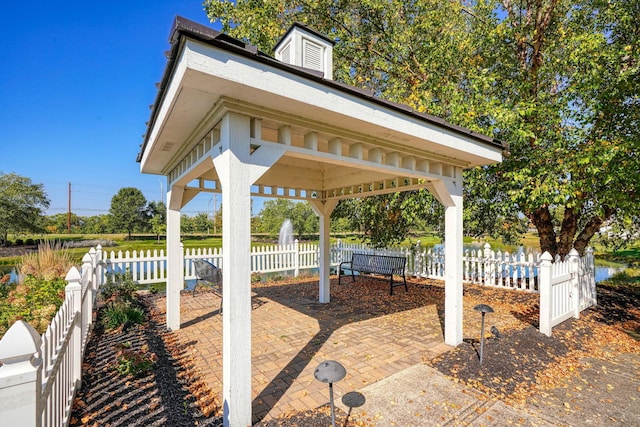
<point x="330" y="372"/>
<point x="353" y="399"/>
<point x="484" y="309"/>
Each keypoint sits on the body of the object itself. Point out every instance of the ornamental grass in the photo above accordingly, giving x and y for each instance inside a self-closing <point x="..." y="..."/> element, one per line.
<point x="50" y="262"/>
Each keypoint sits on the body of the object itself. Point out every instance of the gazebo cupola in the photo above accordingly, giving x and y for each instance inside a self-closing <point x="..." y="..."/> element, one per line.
<point x="303" y="47"/>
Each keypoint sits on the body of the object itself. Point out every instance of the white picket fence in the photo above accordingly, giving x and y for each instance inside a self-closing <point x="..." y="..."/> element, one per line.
<point x="480" y="265"/>
<point x="566" y="288"/>
<point x="40" y="375"/>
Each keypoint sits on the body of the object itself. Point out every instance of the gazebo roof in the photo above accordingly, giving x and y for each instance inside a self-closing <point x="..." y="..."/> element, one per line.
<point x="339" y="141"/>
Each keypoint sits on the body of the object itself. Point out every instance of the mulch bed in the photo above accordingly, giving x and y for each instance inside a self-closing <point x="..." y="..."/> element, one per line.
<point x="518" y="363"/>
<point x="169" y="395"/>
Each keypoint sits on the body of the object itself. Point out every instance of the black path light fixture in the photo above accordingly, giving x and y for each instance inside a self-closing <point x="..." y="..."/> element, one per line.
<point x="330" y="372"/>
<point x="353" y="399"/>
<point x="484" y="309"/>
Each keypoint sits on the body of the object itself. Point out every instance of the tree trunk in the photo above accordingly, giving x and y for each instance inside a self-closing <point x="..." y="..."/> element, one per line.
<point x="568" y="230"/>
<point x="543" y="221"/>
<point x="590" y="229"/>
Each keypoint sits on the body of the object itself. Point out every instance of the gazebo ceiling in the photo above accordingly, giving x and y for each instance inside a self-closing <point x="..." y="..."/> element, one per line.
<point x="336" y="141"/>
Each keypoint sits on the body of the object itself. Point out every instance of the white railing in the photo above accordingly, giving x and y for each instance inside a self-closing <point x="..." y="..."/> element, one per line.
<point x="40" y="375"/>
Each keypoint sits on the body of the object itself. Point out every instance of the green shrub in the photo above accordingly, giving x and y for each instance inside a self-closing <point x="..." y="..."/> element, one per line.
<point x="29" y="241"/>
<point x="19" y="242"/>
<point x="132" y="362"/>
<point x="35" y="301"/>
<point x="117" y="314"/>
<point x="119" y="287"/>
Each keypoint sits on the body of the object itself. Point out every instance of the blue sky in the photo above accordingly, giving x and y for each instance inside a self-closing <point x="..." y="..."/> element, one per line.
<point x="76" y="82"/>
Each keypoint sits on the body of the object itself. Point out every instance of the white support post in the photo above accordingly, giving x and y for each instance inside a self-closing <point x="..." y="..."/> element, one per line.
<point x="544" y="285"/>
<point x="238" y="168"/>
<point x="449" y="193"/>
<point x="175" y="264"/>
<point x="453" y="248"/>
<point x="324" y="209"/>
<point x="73" y="291"/>
<point x="20" y="376"/>
<point x="234" y="173"/>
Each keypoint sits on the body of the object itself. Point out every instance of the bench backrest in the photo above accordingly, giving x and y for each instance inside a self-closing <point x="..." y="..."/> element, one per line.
<point x="207" y="272"/>
<point x="383" y="264"/>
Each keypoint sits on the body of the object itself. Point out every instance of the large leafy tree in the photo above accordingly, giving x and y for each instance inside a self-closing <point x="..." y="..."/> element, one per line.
<point x="398" y="212"/>
<point x="556" y="79"/>
<point x="22" y="205"/>
<point x="158" y="218"/>
<point x="128" y="210"/>
<point x="97" y="224"/>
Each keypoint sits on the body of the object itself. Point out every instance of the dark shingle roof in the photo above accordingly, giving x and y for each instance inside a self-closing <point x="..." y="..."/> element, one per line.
<point x="183" y="27"/>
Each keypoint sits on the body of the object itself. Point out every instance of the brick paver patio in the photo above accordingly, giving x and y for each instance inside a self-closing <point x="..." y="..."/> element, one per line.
<point x="373" y="334"/>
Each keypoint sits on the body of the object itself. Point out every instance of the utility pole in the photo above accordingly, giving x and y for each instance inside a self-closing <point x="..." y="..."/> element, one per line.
<point x="69" y="211"/>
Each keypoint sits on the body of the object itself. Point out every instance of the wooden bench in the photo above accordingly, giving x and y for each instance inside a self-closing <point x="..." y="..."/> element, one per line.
<point x="383" y="265"/>
<point x="210" y="275"/>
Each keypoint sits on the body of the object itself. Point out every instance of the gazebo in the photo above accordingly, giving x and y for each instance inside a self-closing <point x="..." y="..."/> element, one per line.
<point x="230" y="119"/>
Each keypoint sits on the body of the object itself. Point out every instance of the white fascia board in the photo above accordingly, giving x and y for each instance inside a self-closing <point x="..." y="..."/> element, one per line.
<point x="166" y="105"/>
<point x="308" y="97"/>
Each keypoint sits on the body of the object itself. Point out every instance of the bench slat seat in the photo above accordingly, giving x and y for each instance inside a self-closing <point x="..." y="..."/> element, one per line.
<point x="383" y="265"/>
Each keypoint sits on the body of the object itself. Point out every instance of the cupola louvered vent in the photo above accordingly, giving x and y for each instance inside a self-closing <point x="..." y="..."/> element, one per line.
<point x="306" y="48"/>
<point x="286" y="54"/>
<point x="312" y="55"/>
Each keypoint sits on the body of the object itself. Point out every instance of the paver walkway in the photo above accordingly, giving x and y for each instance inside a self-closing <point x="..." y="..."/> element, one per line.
<point x="292" y="333"/>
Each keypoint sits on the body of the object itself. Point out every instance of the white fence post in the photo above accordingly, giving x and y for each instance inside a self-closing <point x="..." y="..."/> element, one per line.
<point x="73" y="291"/>
<point x="99" y="268"/>
<point x="544" y="286"/>
<point x="591" y="274"/>
<point x="87" y="297"/>
<point x="574" y="266"/>
<point x="489" y="271"/>
<point x="296" y="261"/>
<point x="20" y="376"/>
<point x="418" y="260"/>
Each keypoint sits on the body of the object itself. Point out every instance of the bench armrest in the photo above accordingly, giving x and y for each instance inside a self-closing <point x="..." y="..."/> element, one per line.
<point x="344" y="263"/>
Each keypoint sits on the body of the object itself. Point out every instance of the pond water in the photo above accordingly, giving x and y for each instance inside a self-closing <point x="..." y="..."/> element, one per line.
<point x="605" y="272"/>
